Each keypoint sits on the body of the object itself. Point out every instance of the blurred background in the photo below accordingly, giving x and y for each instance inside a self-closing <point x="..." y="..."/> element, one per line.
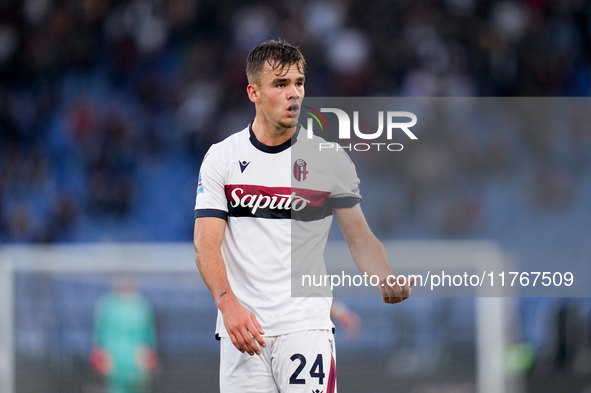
<point x="107" y="107"/>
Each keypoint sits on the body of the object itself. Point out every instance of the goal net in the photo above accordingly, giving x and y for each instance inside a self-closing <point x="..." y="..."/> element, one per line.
<point x="48" y="310"/>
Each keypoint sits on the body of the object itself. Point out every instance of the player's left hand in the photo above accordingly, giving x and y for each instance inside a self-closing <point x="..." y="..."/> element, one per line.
<point x="396" y="293"/>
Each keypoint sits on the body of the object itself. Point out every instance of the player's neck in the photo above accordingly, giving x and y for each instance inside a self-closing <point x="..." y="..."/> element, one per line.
<point x="270" y="135"/>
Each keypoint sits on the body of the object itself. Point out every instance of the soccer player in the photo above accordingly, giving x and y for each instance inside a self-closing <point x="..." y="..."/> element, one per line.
<point x="252" y="225"/>
<point x="125" y="339"/>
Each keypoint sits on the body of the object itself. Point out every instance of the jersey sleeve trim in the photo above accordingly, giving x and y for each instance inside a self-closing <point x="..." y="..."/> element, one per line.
<point x="211" y="213"/>
<point x="339" y="203"/>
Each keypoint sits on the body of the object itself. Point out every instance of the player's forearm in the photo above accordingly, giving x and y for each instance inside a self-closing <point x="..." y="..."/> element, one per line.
<point x="208" y="238"/>
<point x="370" y="257"/>
<point x="213" y="270"/>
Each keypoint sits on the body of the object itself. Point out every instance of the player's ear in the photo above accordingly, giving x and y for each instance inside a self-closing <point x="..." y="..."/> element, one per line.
<point x="253" y="93"/>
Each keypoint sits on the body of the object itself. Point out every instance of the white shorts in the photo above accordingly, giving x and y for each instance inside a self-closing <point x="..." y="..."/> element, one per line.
<point x="300" y="362"/>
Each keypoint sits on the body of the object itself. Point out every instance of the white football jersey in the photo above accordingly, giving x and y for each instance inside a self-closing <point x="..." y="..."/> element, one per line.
<point x="277" y="201"/>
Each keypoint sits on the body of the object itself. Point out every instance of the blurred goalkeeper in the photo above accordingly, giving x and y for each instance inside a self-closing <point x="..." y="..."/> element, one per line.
<point x="124" y="339"/>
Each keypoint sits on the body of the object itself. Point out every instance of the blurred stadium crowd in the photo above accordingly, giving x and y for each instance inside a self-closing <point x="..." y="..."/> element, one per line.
<point x="106" y="106"/>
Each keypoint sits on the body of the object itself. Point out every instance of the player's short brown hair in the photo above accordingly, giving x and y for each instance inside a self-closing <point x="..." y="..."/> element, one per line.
<point x="278" y="53"/>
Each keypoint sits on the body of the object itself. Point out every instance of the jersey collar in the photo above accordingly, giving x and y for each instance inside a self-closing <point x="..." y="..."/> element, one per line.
<point x="272" y="149"/>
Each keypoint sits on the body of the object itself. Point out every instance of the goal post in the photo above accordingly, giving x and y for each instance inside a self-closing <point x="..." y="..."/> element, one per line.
<point x="6" y="325"/>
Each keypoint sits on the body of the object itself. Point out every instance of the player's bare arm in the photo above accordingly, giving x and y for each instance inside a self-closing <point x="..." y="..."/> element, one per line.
<point x="368" y="253"/>
<point x="241" y="324"/>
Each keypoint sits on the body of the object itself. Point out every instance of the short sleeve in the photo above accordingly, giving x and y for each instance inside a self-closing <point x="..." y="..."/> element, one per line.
<point x="211" y="197"/>
<point x="345" y="192"/>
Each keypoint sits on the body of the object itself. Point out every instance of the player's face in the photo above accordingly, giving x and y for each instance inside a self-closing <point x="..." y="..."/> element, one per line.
<point x="280" y="95"/>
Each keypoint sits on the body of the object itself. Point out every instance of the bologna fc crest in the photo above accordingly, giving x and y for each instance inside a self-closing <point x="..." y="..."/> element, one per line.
<point x="299" y="170"/>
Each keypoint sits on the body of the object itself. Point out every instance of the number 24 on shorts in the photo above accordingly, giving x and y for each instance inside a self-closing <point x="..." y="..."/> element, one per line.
<point x="317" y="370"/>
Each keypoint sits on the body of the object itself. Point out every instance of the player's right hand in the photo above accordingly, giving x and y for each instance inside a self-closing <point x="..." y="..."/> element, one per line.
<point x="101" y="360"/>
<point x="243" y="328"/>
<point x="393" y="292"/>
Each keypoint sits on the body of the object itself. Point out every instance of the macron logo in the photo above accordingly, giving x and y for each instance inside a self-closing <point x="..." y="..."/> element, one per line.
<point x="243" y="165"/>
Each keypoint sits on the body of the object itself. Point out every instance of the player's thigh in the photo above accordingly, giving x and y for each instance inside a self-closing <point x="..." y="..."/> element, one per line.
<point x="242" y="373"/>
<point x="305" y="362"/>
